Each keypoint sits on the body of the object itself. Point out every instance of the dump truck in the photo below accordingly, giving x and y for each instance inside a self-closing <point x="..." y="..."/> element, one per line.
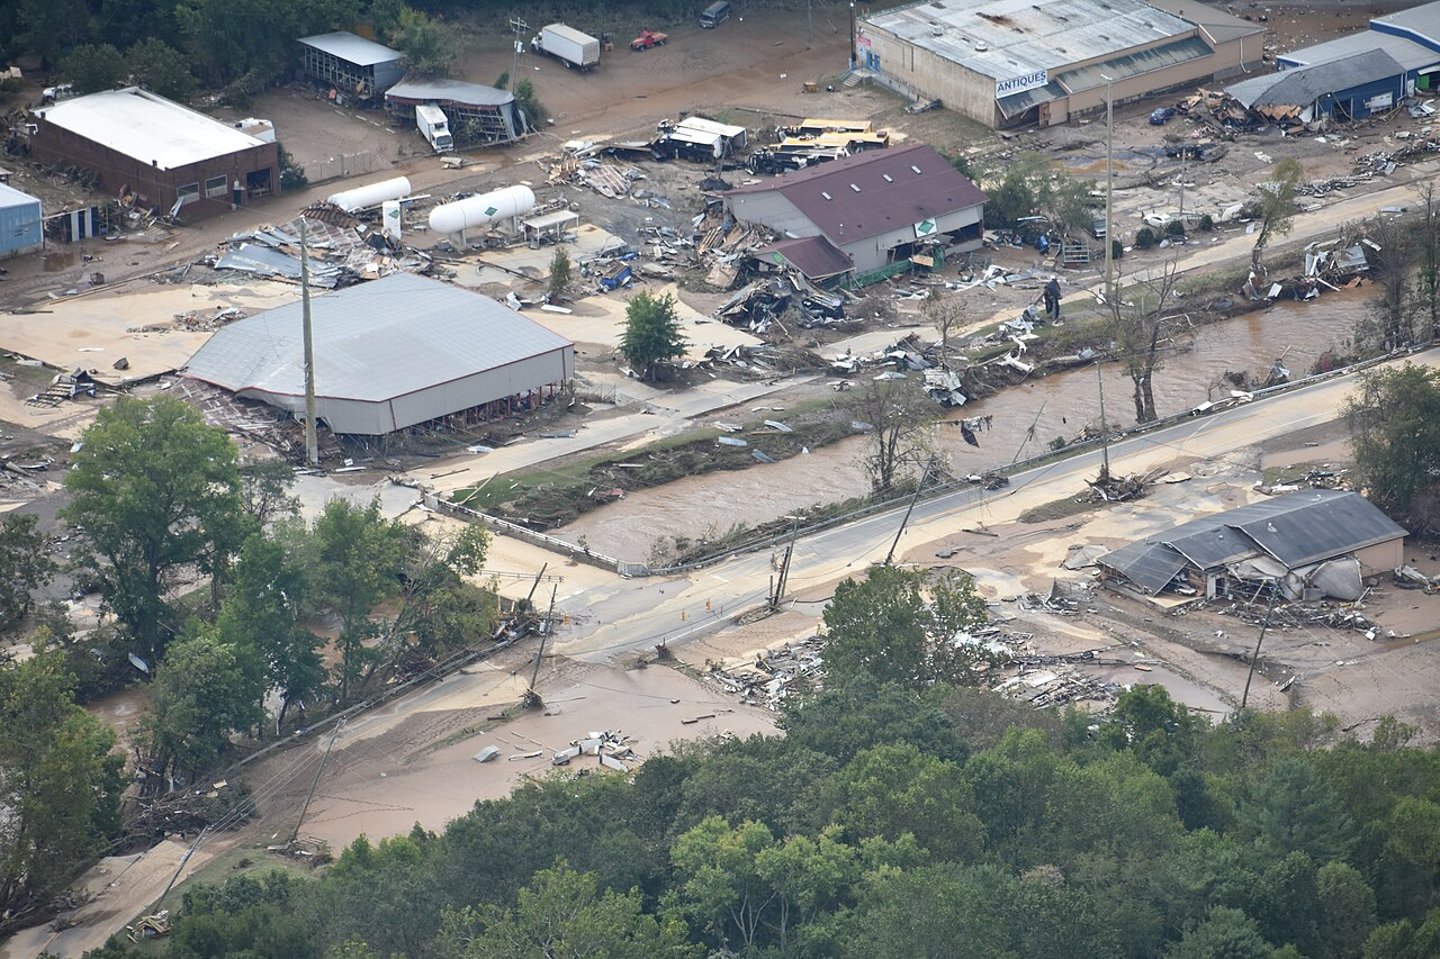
<point x="578" y="51"/>
<point x="435" y="127"/>
<point x="648" y="39"/>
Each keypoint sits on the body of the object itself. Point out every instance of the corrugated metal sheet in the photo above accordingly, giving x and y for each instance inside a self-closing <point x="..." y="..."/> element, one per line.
<point x="1422" y="21"/>
<point x="21" y="226"/>
<point x="1018" y="37"/>
<point x="455" y="91"/>
<point x="352" y="49"/>
<point x="390" y="353"/>
<point x="1148" y="566"/>
<point x="1018" y="103"/>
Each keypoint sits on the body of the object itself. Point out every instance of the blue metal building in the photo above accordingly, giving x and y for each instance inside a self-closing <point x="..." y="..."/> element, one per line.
<point x="21" y="229"/>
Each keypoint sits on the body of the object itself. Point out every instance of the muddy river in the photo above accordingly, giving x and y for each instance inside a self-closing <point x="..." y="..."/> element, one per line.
<point x="1062" y="404"/>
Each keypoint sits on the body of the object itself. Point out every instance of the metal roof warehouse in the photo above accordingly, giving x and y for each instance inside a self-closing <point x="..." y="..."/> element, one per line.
<point x="389" y="354"/>
<point x="1011" y="62"/>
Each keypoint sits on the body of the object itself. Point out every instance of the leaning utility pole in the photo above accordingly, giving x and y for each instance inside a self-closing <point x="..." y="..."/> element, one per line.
<point x="1104" y="427"/>
<point x="519" y="26"/>
<point x="924" y="475"/>
<point x="312" y="442"/>
<point x="532" y="699"/>
<point x="1255" y="656"/>
<point x="316" y="781"/>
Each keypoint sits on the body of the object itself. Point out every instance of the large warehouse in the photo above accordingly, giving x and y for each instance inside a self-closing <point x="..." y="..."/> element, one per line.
<point x="390" y="354"/>
<point x="22" y="229"/>
<point x="1010" y="63"/>
<point x="876" y="209"/>
<point x="168" y="156"/>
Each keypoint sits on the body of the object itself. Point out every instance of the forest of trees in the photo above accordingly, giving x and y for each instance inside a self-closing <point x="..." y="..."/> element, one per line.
<point x="903" y="813"/>
<point x="216" y="593"/>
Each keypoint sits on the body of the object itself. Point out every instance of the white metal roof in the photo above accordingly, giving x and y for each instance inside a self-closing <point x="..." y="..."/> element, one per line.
<point x="147" y="128"/>
<point x="374" y="342"/>
<point x="702" y="125"/>
<point x="1422" y="21"/>
<point x="352" y="49"/>
<point x="1013" y="38"/>
<point x="11" y="197"/>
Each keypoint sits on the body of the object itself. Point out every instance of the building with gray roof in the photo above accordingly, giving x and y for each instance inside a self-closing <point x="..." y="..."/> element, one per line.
<point x="390" y="354"/>
<point x="1014" y="62"/>
<point x="1298" y="544"/>
<point x="351" y="65"/>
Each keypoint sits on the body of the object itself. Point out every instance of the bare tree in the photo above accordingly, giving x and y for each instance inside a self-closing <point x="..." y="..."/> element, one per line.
<point x="900" y="418"/>
<point x="948" y="315"/>
<point x="1428" y="253"/>
<point x="1391" y="323"/>
<point x="1144" y="326"/>
<point x="1276" y="208"/>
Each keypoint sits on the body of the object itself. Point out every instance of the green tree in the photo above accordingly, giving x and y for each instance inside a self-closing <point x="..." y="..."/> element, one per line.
<point x="154" y="492"/>
<point x="652" y="335"/>
<point x="809" y="876"/>
<point x="892" y="790"/>
<point x="161" y="69"/>
<point x="357" y="558"/>
<point x="1347" y="911"/>
<point x="931" y="911"/>
<point x="25" y="567"/>
<point x="1295" y="810"/>
<point x="229" y="39"/>
<point x="60" y="782"/>
<point x="1160" y="731"/>
<point x="528" y="104"/>
<point x="204" y="691"/>
<point x="561" y="273"/>
<point x="841" y="721"/>
<point x="261" y="613"/>
<point x="428" y="45"/>
<point x="95" y="67"/>
<point x="1394" y="418"/>
<point x="720" y="881"/>
<point x="47" y="28"/>
<point x="1275" y="208"/>
<point x="894" y="626"/>
<point x="564" y="913"/>
<point x="265" y="491"/>
<point x="1144" y="325"/>
<point x="1224" y="934"/>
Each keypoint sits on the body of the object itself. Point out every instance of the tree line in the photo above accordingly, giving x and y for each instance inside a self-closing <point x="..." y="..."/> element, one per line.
<point x="219" y="596"/>
<point x="903" y="813"/>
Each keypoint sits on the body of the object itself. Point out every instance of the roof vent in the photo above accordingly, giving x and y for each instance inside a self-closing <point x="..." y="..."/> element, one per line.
<point x="888" y="178"/>
<point x="938" y="31"/>
<point x="855" y="188"/>
<point x="826" y="195"/>
<point x="981" y="47"/>
<point x="915" y="168"/>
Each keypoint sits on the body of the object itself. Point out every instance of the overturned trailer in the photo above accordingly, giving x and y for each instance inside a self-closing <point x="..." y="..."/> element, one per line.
<point x="478" y="114"/>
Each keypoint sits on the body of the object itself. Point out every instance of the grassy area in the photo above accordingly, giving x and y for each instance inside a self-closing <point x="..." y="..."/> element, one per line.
<point x="553" y="496"/>
<point x="1060" y="509"/>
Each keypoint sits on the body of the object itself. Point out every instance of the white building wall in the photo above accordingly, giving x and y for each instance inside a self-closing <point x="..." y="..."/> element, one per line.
<point x="771" y="208"/>
<point x="929" y="75"/>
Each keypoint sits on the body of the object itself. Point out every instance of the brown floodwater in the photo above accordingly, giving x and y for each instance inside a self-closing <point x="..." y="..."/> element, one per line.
<point x="1061" y="404"/>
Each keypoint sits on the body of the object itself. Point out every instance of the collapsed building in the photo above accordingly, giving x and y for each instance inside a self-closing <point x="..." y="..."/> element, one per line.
<point x="1305" y="545"/>
<point x="477" y="114"/>
<point x="396" y="353"/>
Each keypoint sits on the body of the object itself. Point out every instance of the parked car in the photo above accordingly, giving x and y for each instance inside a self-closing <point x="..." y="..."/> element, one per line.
<point x="1161" y="115"/>
<point x="1097" y="228"/>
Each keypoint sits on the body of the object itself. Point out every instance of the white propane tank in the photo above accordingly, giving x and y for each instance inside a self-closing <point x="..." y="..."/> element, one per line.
<point x="481" y="211"/>
<point x="370" y="195"/>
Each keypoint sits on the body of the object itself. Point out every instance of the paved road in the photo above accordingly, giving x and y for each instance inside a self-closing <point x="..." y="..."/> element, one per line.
<point x="628" y="616"/>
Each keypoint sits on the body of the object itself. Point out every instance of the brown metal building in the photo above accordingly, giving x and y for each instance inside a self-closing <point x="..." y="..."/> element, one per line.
<point x="169" y="156"/>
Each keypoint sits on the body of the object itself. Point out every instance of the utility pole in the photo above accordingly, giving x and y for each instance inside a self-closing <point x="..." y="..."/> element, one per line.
<point x="1255" y="656"/>
<point x="312" y="442"/>
<point x="532" y="699"/>
<point x="924" y="475"/>
<point x="316" y="781"/>
<point x="519" y="26"/>
<point x="854" y="59"/>
<point x="1104" y="427"/>
<point x="779" y="592"/>
<point x="1109" y="190"/>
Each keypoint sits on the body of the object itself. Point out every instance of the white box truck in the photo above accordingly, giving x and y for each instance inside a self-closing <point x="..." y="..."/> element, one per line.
<point x="434" y="126"/>
<point x="568" y="45"/>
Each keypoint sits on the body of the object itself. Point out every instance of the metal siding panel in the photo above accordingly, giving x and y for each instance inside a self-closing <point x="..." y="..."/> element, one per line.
<point x="20" y="228"/>
<point x="443" y="399"/>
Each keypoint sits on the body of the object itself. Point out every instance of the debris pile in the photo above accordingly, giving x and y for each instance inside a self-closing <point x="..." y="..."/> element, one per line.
<point x="1120" y="489"/>
<point x="611" y="748"/>
<point x="339" y="255"/>
<point x="775" y="674"/>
